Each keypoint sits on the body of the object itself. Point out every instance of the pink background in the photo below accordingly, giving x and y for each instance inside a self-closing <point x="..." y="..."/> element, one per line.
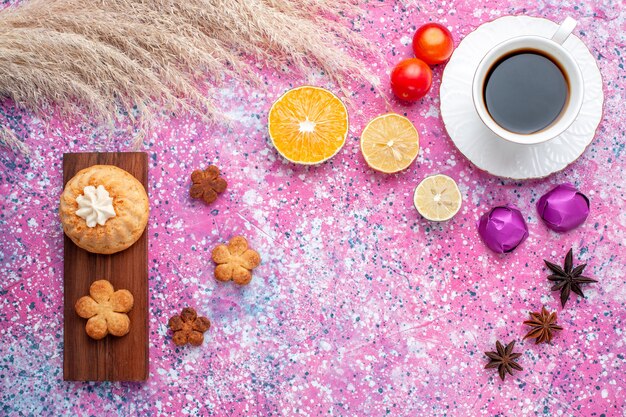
<point x="360" y="306"/>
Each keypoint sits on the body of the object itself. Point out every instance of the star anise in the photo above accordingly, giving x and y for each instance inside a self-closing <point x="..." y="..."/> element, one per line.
<point x="568" y="279"/>
<point x="207" y="184"/>
<point x="543" y="324"/>
<point x="503" y="359"/>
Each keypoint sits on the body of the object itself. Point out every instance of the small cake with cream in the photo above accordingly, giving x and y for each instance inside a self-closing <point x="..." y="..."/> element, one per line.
<point x="104" y="209"/>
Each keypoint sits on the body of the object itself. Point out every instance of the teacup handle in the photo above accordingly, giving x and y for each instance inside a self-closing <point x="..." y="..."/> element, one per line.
<point x="564" y="30"/>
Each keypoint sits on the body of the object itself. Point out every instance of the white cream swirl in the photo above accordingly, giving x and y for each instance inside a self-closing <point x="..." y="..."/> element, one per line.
<point x="95" y="205"/>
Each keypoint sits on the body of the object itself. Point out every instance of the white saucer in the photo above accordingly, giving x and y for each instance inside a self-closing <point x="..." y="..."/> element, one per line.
<point x="479" y="144"/>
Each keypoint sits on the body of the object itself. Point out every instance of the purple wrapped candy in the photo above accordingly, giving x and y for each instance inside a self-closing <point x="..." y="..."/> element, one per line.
<point x="502" y="228"/>
<point x="563" y="208"/>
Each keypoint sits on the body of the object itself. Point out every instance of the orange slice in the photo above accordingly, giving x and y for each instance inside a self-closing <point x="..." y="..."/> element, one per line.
<point x="308" y="125"/>
<point x="389" y="143"/>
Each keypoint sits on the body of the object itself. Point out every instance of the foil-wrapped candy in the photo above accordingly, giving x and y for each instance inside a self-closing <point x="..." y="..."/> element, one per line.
<point x="563" y="208"/>
<point x="502" y="228"/>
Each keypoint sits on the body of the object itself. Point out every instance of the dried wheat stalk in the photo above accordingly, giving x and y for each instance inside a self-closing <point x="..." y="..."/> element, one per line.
<point x="105" y="55"/>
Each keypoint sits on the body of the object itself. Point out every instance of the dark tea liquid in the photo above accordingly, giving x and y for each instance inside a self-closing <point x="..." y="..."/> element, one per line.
<point x="525" y="92"/>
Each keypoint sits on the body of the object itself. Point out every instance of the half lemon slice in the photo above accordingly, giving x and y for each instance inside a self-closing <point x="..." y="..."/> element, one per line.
<point x="437" y="198"/>
<point x="308" y="125"/>
<point x="390" y="143"/>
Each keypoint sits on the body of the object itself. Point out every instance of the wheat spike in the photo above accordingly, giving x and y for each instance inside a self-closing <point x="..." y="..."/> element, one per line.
<point x="102" y="56"/>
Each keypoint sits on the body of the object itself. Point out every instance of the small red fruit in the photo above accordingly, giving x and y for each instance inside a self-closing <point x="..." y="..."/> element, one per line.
<point x="411" y="79"/>
<point x="433" y="43"/>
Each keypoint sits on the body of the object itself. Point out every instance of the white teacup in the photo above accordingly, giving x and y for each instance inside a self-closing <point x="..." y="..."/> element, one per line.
<point x="552" y="48"/>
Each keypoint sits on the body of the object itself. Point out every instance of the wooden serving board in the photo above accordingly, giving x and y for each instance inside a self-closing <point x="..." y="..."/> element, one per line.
<point x="112" y="358"/>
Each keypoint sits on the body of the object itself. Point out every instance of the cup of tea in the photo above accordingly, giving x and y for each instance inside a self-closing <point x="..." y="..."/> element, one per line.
<point x="529" y="89"/>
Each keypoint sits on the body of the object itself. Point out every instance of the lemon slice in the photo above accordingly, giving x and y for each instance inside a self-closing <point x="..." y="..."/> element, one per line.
<point x="437" y="198"/>
<point x="390" y="143"/>
<point x="308" y="125"/>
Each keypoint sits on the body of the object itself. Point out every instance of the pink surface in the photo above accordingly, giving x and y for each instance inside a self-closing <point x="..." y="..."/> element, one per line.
<point x="360" y="306"/>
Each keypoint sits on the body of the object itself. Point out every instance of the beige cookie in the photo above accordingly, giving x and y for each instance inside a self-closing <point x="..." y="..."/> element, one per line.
<point x="104" y="209"/>
<point x="106" y="310"/>
<point x="235" y="261"/>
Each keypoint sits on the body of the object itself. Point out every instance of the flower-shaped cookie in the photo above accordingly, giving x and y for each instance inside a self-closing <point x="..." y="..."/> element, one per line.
<point x="207" y="184"/>
<point x="188" y="327"/>
<point x="235" y="261"/>
<point x="105" y="310"/>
